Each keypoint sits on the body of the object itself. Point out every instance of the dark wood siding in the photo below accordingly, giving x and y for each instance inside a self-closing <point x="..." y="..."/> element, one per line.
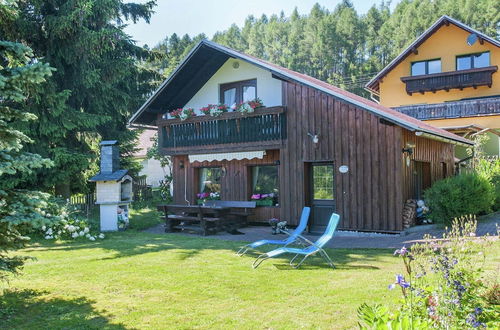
<point x="426" y="150"/>
<point x="369" y="196"/>
<point x="235" y="184"/>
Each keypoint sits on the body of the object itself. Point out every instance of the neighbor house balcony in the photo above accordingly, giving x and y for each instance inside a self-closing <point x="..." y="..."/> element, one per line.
<point x="450" y="80"/>
<point x="265" y="128"/>
<point x="457" y="109"/>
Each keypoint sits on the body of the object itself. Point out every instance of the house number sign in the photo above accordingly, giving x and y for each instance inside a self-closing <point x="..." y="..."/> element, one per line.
<point x="344" y="169"/>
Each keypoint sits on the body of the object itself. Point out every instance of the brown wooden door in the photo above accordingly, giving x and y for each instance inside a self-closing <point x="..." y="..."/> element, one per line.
<point x="321" y="195"/>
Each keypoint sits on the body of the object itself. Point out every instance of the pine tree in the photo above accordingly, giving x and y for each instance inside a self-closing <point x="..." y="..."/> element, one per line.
<point x="20" y="76"/>
<point x="97" y="85"/>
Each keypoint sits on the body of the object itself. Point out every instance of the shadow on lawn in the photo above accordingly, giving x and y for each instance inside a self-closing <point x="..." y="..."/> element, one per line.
<point x="128" y="244"/>
<point x="32" y="309"/>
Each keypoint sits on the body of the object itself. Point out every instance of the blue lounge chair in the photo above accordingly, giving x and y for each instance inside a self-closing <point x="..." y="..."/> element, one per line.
<point x="289" y="240"/>
<point x="313" y="248"/>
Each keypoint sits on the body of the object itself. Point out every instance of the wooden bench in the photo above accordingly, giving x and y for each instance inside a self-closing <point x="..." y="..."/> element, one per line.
<point x="240" y="210"/>
<point x="202" y="219"/>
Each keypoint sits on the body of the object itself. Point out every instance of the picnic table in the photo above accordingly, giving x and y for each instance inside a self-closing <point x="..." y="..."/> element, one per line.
<point x="203" y="219"/>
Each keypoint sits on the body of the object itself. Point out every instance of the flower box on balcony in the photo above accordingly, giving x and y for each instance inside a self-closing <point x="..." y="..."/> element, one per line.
<point x="264" y="203"/>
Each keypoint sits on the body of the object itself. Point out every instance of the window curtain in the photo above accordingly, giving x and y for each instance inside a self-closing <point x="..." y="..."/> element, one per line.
<point x="255" y="176"/>
<point x="203" y="179"/>
<point x="230" y="97"/>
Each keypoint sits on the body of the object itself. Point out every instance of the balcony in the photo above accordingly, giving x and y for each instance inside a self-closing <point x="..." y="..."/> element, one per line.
<point x="264" y="128"/>
<point x="449" y="80"/>
<point x="457" y="109"/>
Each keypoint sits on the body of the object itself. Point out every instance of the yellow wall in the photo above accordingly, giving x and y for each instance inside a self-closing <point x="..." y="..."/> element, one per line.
<point x="446" y="43"/>
<point x="484" y="121"/>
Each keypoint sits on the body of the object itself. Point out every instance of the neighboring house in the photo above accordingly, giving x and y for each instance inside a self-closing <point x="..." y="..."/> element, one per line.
<point x="313" y="144"/>
<point x="151" y="168"/>
<point x="447" y="77"/>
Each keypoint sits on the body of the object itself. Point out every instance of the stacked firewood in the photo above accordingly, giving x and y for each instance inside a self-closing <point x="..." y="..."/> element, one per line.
<point x="409" y="213"/>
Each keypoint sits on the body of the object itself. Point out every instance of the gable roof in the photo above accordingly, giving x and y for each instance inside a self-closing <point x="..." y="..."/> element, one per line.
<point x="207" y="57"/>
<point x="372" y="85"/>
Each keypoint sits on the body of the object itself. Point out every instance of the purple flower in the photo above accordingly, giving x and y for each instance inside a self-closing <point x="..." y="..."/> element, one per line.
<point x="400" y="280"/>
<point x="402" y="252"/>
<point x="256" y="196"/>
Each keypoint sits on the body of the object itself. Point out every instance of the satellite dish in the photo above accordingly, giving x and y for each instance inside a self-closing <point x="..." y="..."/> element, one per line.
<point x="471" y="39"/>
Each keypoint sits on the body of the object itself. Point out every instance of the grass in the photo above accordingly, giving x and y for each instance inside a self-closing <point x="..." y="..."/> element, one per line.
<point x="135" y="280"/>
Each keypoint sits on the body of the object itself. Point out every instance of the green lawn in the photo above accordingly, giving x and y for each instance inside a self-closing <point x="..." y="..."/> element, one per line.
<point x="138" y="280"/>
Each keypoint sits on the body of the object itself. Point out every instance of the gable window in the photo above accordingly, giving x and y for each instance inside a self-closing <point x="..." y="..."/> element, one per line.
<point x="471" y="61"/>
<point x="238" y="92"/>
<point x="426" y="67"/>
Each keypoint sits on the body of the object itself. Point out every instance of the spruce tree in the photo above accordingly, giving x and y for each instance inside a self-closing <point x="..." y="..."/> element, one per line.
<point x="20" y="76"/>
<point x="97" y="85"/>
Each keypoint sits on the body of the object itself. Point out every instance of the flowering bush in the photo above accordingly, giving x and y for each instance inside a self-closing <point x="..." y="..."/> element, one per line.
<point x="249" y="106"/>
<point x="214" y="110"/>
<point x="69" y="228"/>
<point x="122" y="219"/>
<point x="257" y="197"/>
<point x="204" y="196"/>
<point x="443" y="286"/>
<point x="264" y="199"/>
<point x="183" y="113"/>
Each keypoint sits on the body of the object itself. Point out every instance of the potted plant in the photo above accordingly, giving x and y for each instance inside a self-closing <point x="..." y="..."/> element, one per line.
<point x="214" y="110"/>
<point x="204" y="196"/>
<point x="249" y="106"/>
<point x="183" y="113"/>
<point x="263" y="199"/>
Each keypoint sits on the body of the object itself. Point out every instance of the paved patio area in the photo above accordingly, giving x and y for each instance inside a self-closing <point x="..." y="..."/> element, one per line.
<point x="343" y="239"/>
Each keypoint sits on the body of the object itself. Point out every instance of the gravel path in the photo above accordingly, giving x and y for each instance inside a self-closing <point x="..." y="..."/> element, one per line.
<point x="342" y="239"/>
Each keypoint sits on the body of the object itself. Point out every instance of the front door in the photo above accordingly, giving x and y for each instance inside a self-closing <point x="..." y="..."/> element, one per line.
<point x="321" y="195"/>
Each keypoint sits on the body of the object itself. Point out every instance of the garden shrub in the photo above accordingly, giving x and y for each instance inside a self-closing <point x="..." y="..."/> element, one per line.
<point x="443" y="285"/>
<point x="67" y="225"/>
<point x="489" y="168"/>
<point x="459" y="195"/>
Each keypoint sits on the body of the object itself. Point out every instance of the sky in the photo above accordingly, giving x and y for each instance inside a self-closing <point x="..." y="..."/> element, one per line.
<point x="209" y="16"/>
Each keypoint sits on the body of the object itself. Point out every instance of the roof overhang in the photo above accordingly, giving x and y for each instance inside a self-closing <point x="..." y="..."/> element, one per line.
<point x="207" y="57"/>
<point x="373" y="85"/>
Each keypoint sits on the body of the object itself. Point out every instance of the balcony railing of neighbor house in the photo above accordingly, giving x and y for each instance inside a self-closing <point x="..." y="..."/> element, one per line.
<point x="456" y="109"/>
<point x="449" y="80"/>
<point x="264" y="126"/>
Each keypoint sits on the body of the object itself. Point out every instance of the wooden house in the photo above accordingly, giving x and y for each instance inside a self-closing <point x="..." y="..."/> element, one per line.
<point x="311" y="144"/>
<point x="447" y="77"/>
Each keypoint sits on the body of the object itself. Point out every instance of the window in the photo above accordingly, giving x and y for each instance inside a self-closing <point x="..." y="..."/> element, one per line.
<point x="265" y="184"/>
<point x="237" y="92"/>
<point x="323" y="182"/>
<point x="426" y="67"/>
<point x="209" y="179"/>
<point x="471" y="61"/>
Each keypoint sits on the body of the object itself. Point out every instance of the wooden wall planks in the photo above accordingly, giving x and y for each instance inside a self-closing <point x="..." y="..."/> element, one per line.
<point x="426" y="150"/>
<point x="369" y="197"/>
<point x="235" y="184"/>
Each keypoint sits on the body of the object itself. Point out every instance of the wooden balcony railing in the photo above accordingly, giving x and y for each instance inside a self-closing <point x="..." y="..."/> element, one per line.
<point x="458" y="109"/>
<point x="449" y="80"/>
<point x="265" y="127"/>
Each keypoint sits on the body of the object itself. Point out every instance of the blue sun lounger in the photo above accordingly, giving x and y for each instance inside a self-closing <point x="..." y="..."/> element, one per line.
<point x="289" y="240"/>
<point x="312" y="249"/>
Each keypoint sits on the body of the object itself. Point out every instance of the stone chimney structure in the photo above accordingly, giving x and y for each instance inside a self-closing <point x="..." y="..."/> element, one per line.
<point x="113" y="187"/>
